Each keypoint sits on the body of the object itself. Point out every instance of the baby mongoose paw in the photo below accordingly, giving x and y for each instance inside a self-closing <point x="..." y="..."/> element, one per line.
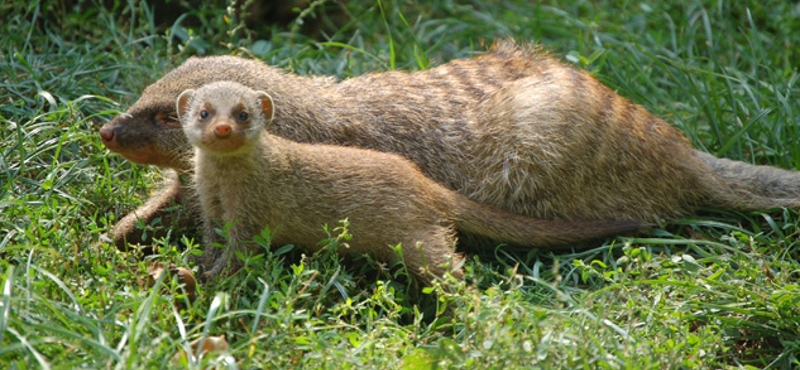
<point x="218" y="268"/>
<point x="213" y="272"/>
<point x="208" y="276"/>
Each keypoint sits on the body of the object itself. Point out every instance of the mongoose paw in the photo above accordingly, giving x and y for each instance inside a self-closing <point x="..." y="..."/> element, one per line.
<point x="216" y="268"/>
<point x="212" y="273"/>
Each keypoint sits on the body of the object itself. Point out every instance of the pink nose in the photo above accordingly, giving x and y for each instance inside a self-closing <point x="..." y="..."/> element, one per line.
<point x="222" y="130"/>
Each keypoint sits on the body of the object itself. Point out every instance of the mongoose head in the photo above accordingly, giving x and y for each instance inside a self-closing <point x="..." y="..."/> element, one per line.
<point x="149" y="132"/>
<point x="224" y="118"/>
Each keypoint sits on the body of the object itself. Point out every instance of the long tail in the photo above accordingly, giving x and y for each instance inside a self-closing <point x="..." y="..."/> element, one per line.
<point x="487" y="221"/>
<point x="753" y="187"/>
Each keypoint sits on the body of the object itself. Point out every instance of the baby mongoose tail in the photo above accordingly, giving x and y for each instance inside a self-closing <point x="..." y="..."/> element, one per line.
<point x="487" y="221"/>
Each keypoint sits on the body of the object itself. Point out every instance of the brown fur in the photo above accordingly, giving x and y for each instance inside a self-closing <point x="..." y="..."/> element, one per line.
<point x="513" y="128"/>
<point x="250" y="179"/>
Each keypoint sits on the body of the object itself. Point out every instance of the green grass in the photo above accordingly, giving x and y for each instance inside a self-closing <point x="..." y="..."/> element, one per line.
<point x="715" y="291"/>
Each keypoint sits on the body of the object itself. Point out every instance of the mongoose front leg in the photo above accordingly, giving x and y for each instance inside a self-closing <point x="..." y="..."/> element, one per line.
<point x="175" y="206"/>
<point x="221" y="249"/>
<point x="223" y="261"/>
<point x="215" y="255"/>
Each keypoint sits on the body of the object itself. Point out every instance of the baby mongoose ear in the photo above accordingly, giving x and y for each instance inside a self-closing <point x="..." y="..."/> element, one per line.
<point x="266" y="106"/>
<point x="182" y="105"/>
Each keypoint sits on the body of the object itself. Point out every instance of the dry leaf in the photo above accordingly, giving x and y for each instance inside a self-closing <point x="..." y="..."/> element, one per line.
<point x="154" y="272"/>
<point x="187" y="279"/>
<point x="184" y="275"/>
<point x="210" y="345"/>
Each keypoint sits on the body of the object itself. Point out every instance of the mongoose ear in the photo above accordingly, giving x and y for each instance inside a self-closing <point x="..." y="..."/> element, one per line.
<point x="182" y="105"/>
<point x="266" y="106"/>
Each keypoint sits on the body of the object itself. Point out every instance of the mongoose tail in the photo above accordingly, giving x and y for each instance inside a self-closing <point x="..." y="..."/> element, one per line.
<point x="756" y="187"/>
<point x="480" y="219"/>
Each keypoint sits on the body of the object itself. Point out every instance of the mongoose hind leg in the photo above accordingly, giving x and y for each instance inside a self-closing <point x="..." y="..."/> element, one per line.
<point x="433" y="256"/>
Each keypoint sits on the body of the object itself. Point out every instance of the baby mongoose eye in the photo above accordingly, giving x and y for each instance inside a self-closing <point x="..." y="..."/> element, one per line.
<point x="203" y="114"/>
<point x="243" y="116"/>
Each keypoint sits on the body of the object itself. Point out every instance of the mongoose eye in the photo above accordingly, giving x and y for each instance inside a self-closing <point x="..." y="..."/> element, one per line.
<point x="243" y="116"/>
<point x="203" y="114"/>
<point x="167" y="119"/>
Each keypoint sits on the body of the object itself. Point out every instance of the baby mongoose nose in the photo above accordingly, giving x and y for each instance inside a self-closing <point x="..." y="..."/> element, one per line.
<point x="222" y="130"/>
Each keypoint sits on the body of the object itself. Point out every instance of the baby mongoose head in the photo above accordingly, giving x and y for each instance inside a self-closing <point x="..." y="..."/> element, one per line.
<point x="224" y="117"/>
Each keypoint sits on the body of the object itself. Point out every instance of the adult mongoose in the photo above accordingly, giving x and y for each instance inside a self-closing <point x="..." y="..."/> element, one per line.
<point x="514" y="128"/>
<point x="250" y="179"/>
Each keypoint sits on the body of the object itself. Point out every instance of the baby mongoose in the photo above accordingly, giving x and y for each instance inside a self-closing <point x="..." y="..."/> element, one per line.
<point x="250" y="179"/>
<point x="514" y="128"/>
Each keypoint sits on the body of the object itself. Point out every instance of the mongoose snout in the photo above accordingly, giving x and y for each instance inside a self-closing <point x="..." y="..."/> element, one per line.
<point x="222" y="136"/>
<point x="222" y="130"/>
<point x="107" y="135"/>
